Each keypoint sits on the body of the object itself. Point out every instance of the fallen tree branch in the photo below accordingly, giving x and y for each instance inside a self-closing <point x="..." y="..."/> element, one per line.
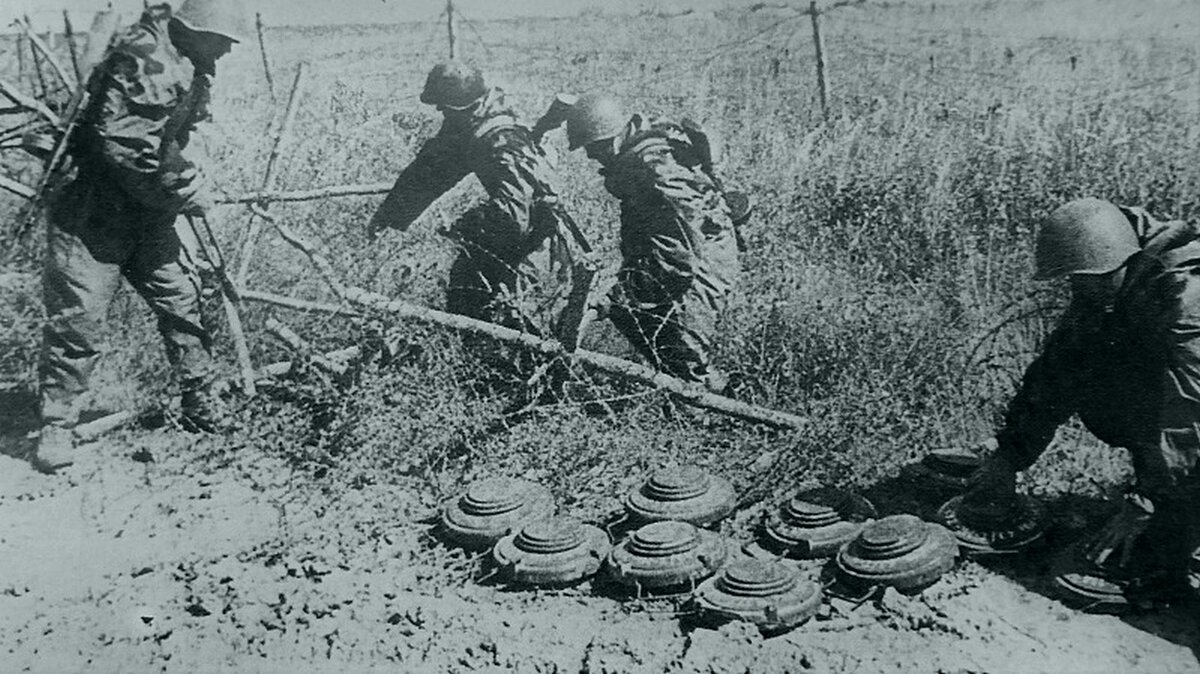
<point x="15" y="95"/>
<point x="297" y="304"/>
<point x="308" y="195"/>
<point x="298" y="344"/>
<point x="691" y="393"/>
<point x="19" y="189"/>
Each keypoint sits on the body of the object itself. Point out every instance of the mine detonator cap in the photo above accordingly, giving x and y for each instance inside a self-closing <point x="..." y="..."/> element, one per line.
<point x="593" y="117"/>
<point x="453" y="84"/>
<point x="1085" y="236"/>
<point x="223" y="17"/>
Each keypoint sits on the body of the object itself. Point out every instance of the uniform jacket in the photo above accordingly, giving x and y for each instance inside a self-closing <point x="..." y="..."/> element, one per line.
<point x="1131" y="374"/>
<point x="145" y="99"/>
<point x="488" y="142"/>
<point x="675" y="226"/>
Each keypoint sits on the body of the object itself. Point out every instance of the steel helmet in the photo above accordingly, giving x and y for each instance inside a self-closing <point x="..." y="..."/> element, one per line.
<point x="453" y="84"/>
<point x="592" y="118"/>
<point x="223" y="17"/>
<point x="1085" y="236"/>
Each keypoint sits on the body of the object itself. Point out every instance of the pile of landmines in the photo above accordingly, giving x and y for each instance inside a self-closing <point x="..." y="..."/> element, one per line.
<point x="663" y="545"/>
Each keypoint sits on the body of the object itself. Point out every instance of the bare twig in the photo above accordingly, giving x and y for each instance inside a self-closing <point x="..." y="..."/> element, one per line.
<point x="28" y="102"/>
<point x="19" y="189"/>
<point x="48" y="54"/>
<point x="281" y="134"/>
<point x="309" y="195"/>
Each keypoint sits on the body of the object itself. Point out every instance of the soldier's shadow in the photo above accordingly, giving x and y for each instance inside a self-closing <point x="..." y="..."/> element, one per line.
<point x="18" y="418"/>
<point x="1072" y="518"/>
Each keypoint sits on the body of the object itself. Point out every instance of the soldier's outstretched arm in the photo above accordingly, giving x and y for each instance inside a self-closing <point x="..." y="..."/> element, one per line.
<point x="555" y="116"/>
<point x="129" y="123"/>
<point x="438" y="166"/>
<point x="1047" y="399"/>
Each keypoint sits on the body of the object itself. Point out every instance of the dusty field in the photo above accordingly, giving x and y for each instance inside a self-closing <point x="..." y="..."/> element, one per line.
<point x="213" y="558"/>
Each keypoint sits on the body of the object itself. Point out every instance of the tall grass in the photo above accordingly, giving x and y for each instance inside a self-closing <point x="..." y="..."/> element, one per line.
<point x="886" y="291"/>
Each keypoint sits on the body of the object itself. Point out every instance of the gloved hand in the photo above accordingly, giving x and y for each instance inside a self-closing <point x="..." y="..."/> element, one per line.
<point x="1119" y="535"/>
<point x="995" y="479"/>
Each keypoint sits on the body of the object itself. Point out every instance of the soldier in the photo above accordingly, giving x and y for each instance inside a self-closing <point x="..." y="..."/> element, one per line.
<point x="679" y="244"/>
<point x="516" y="249"/>
<point x="115" y="212"/>
<point x="1126" y="359"/>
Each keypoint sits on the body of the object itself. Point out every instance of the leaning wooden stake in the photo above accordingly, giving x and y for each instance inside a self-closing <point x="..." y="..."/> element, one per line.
<point x="69" y="35"/>
<point x="262" y="49"/>
<point x="693" y="394"/>
<point x="269" y="176"/>
<point x="40" y="46"/>
<point x="815" y="15"/>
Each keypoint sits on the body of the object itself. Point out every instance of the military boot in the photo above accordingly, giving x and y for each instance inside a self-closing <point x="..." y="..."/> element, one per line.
<point x="205" y="412"/>
<point x="55" y="448"/>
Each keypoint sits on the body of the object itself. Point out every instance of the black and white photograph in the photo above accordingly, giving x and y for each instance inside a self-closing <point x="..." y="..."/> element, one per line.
<point x="600" y="336"/>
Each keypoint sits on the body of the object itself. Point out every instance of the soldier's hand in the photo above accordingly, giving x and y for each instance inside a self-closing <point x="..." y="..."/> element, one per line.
<point x="996" y="478"/>
<point x="1119" y="536"/>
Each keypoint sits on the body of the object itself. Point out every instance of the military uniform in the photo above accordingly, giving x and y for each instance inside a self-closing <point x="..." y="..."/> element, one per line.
<point x="1132" y="375"/>
<point x="678" y="245"/>
<point x="114" y="214"/>
<point x="515" y="249"/>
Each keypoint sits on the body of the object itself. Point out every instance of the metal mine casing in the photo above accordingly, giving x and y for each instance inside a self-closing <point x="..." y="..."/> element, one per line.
<point x="492" y="508"/>
<point x="899" y="551"/>
<point x="551" y="551"/>
<point x="816" y="523"/>
<point x="766" y="593"/>
<point x="947" y="470"/>
<point x="666" y="554"/>
<point x="685" y="494"/>
<point x="994" y="527"/>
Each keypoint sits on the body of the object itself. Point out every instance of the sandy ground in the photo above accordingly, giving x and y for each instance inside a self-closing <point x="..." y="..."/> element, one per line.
<point x="162" y="551"/>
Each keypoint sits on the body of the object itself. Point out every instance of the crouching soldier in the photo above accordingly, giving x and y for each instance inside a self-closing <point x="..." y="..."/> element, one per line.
<point x="1126" y="359"/>
<point x="516" y="249"/>
<point x="115" y="212"/>
<point x="679" y="244"/>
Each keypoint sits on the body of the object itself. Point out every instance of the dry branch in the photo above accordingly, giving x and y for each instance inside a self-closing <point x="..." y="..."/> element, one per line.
<point x="309" y="195"/>
<point x="298" y="344"/>
<point x="691" y="393"/>
<point x="28" y="102"/>
<point x="48" y="54"/>
<point x="281" y="134"/>
<point x="19" y="189"/>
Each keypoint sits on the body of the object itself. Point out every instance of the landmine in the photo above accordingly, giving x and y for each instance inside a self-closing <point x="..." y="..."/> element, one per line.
<point x="554" y="551"/>
<point x="662" y="556"/>
<point x="492" y="508"/>
<point x="900" y="551"/>
<point x="994" y="526"/>
<point x="766" y="593"/>
<point x="815" y="523"/>
<point x="684" y="494"/>
<point x="947" y="472"/>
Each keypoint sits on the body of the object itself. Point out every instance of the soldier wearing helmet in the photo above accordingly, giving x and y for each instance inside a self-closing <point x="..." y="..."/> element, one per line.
<point x="1126" y="359"/>
<point x="678" y="240"/>
<point x="516" y="250"/>
<point x="115" y="213"/>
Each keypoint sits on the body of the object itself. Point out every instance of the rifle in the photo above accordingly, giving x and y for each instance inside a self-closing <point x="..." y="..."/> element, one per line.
<point x="230" y="298"/>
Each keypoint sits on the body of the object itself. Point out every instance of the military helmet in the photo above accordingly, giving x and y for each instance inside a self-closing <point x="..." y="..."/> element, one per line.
<point x="592" y="118"/>
<point x="1085" y="236"/>
<point x="453" y="84"/>
<point x="223" y="17"/>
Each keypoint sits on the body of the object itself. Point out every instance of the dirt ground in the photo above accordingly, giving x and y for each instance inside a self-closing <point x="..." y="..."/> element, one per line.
<point x="163" y="551"/>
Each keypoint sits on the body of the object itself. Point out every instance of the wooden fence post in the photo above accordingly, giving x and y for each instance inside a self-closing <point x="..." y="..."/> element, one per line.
<point x="450" y="25"/>
<point x="262" y="48"/>
<point x="822" y="86"/>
